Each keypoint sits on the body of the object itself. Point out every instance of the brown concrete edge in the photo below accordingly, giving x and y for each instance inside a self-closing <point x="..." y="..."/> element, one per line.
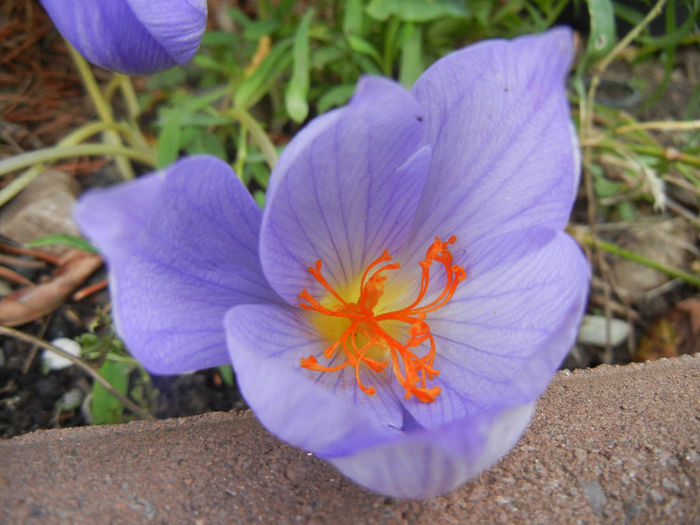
<point x="611" y="444"/>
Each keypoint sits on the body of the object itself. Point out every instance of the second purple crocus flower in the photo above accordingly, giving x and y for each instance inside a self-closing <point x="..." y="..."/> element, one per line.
<point x="131" y="36"/>
<point x="408" y="291"/>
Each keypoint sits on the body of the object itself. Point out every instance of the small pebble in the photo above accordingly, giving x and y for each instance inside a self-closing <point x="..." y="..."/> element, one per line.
<point x="56" y="362"/>
<point x="593" y="331"/>
<point x="72" y="399"/>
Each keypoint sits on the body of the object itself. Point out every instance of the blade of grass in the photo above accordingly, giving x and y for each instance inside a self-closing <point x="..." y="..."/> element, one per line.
<point x="49" y="154"/>
<point x="295" y="97"/>
<point x="259" y="136"/>
<point x="614" y="249"/>
<point x="104" y="111"/>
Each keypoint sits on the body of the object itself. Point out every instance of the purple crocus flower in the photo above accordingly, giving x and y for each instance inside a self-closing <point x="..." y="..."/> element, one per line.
<point x="408" y="291"/>
<point x="131" y="36"/>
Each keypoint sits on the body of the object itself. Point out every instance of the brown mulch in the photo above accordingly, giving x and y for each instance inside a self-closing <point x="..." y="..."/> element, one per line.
<point x="41" y="96"/>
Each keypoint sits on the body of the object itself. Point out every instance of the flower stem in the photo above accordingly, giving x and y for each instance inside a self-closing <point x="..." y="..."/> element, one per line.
<point x="127" y="89"/>
<point x="72" y="139"/>
<point x="104" y="111"/>
<point x="61" y="152"/>
<point x="664" y="125"/>
<point x="666" y="154"/>
<point x="241" y="152"/>
<point x="259" y="136"/>
<point x="589" y="240"/>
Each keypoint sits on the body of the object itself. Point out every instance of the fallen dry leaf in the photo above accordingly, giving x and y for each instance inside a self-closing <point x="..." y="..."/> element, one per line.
<point x="676" y="333"/>
<point x="691" y="306"/>
<point x="31" y="303"/>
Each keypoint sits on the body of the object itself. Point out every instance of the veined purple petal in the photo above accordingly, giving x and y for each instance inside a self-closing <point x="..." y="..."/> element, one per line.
<point x="180" y="246"/>
<point x="131" y="36"/>
<point x="322" y="412"/>
<point x="504" y="154"/>
<point x="177" y="25"/>
<point x="431" y="462"/>
<point x="509" y="325"/>
<point x="346" y="191"/>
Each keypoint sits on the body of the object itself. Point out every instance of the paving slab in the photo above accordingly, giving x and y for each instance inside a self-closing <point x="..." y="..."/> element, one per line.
<point x="607" y="445"/>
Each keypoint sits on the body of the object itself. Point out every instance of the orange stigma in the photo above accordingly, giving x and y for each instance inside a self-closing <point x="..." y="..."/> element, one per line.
<point x="365" y="342"/>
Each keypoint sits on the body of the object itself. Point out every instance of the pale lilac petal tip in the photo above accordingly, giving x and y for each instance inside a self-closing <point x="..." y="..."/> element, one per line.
<point x="323" y="413"/>
<point x="500" y="127"/>
<point x="131" y="36"/>
<point x="180" y="248"/>
<point x="432" y="462"/>
<point x="510" y="324"/>
<point x="368" y="438"/>
<point x="177" y="25"/>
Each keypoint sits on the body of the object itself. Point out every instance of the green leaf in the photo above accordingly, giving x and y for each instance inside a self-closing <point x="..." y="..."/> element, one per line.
<point x="168" y="142"/>
<point x="170" y="139"/>
<point x="207" y="62"/>
<point x="107" y="410"/>
<point x="260" y="173"/>
<point x="226" y="373"/>
<point x="169" y="79"/>
<point x="220" y="38"/>
<point x="352" y="21"/>
<point x="239" y="17"/>
<point x="65" y="239"/>
<point x="259" y="197"/>
<point x="674" y="36"/>
<point x="89" y="343"/>
<point x="327" y="55"/>
<point x="416" y="10"/>
<point x="411" y="60"/>
<point x="203" y="120"/>
<point x="362" y="46"/>
<point x="628" y="14"/>
<point x="252" y="30"/>
<point x="283" y="8"/>
<point x="209" y="143"/>
<point x="336" y="96"/>
<point x="298" y="87"/>
<point x="256" y="86"/>
<point x="256" y="30"/>
<point x="602" y="34"/>
<point x="190" y="103"/>
<point x="627" y="211"/>
<point x="607" y="188"/>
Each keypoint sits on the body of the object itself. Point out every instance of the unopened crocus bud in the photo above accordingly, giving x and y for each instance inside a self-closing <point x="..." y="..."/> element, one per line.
<point x="131" y="36"/>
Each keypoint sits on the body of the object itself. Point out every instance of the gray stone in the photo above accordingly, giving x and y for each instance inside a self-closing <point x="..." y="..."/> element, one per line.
<point x="611" y="444"/>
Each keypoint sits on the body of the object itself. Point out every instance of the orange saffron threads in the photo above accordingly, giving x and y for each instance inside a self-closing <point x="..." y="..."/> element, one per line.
<point x="365" y="342"/>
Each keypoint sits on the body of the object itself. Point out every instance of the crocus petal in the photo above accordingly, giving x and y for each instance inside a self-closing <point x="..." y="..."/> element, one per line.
<point x="181" y="249"/>
<point x="504" y="155"/>
<point x="321" y="412"/>
<point x="131" y="36"/>
<point x="346" y="191"/>
<point x="509" y="325"/>
<point x="430" y="462"/>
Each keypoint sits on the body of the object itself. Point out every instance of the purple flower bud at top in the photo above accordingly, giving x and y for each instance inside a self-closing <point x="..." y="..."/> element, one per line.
<point x="131" y="36"/>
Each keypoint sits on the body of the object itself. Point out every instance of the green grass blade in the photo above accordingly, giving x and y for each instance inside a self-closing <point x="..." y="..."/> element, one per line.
<point x="298" y="88"/>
